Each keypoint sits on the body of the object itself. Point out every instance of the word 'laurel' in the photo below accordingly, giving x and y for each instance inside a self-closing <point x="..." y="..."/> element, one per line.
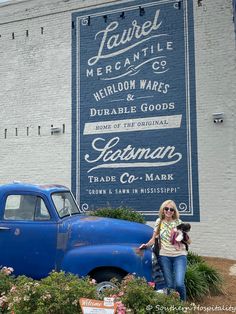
<point x="116" y="40"/>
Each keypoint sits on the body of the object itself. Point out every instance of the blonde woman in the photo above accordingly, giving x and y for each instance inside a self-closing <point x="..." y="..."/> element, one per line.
<point x="173" y="261"/>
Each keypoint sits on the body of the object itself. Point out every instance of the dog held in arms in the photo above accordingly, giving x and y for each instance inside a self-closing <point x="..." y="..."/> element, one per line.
<point x="179" y="236"/>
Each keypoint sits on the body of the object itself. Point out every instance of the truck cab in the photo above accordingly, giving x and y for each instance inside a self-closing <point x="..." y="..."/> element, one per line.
<point x="42" y="229"/>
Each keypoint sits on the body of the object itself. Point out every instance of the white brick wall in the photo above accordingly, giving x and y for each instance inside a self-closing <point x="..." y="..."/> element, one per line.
<point x="35" y="90"/>
<point x="215" y="84"/>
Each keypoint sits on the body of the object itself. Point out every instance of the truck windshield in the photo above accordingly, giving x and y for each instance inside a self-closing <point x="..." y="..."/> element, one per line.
<point x="65" y="204"/>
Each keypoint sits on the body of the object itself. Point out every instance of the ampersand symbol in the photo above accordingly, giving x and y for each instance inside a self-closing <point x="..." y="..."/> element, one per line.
<point x="130" y="97"/>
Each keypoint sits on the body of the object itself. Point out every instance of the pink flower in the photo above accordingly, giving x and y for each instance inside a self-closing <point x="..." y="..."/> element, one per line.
<point x="7" y="270"/>
<point x="13" y="289"/>
<point x="121" y="309"/>
<point x="120" y="294"/>
<point x="3" y="301"/>
<point x="152" y="284"/>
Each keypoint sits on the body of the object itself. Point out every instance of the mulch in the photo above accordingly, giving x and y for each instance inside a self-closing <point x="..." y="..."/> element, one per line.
<point x="225" y="303"/>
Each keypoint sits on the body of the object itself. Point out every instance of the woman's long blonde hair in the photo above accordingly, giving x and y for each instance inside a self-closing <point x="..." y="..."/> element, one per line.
<point x="165" y="204"/>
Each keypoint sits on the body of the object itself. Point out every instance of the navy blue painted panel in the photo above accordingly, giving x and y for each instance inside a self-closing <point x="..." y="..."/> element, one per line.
<point x="134" y="139"/>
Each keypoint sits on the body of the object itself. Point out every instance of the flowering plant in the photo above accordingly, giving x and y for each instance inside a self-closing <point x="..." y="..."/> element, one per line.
<point x="7" y="270"/>
<point x="136" y="295"/>
<point x="58" y="293"/>
<point x="6" y="282"/>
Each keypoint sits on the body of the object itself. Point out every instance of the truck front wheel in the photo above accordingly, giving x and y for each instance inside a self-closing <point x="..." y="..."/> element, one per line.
<point x="103" y="278"/>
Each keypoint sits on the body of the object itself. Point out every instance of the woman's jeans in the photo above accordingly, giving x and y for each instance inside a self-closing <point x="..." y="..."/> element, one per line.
<point x="174" y="268"/>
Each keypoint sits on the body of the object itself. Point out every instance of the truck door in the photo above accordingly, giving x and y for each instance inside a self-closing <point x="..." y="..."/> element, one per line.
<point x="27" y="235"/>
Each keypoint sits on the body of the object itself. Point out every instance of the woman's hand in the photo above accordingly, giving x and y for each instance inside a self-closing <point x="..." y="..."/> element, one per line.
<point x="143" y="246"/>
<point x="149" y="243"/>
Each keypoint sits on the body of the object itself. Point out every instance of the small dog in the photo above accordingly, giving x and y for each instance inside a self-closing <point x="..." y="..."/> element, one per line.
<point x="179" y="235"/>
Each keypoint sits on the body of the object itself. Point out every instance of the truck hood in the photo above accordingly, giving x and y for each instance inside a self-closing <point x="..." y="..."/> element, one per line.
<point x="91" y="230"/>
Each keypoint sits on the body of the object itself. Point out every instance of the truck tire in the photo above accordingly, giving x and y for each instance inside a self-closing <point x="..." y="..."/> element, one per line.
<point x="103" y="278"/>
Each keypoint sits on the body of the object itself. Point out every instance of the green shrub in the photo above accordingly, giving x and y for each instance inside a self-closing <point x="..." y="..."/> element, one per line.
<point x="196" y="284"/>
<point x="163" y="304"/>
<point x="124" y="213"/>
<point x="140" y="298"/>
<point x="194" y="258"/>
<point x="6" y="281"/>
<point x="212" y="277"/>
<point x="58" y="293"/>
<point x="201" y="278"/>
<point x="137" y="294"/>
<point x="23" y="295"/>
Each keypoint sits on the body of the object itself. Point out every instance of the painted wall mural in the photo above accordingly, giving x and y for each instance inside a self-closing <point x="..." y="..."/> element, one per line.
<point x="134" y="139"/>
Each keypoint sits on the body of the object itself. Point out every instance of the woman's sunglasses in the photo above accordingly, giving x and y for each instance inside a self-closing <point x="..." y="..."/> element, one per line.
<point x="169" y="208"/>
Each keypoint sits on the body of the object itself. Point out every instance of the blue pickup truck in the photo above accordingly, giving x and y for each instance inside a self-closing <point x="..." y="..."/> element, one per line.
<point x="42" y="229"/>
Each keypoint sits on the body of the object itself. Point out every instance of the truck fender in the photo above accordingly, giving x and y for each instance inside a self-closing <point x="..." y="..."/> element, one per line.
<point x="128" y="258"/>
